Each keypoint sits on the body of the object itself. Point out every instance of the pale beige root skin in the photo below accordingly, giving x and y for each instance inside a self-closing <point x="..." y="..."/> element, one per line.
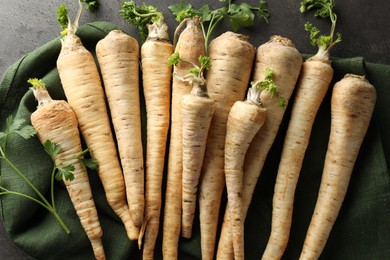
<point x="280" y="55"/>
<point x="156" y="78"/>
<point x="83" y="89"/>
<point x="232" y="58"/>
<point x="190" y="45"/>
<point x="56" y="121"/>
<point x="118" y="57"/>
<point x="352" y="104"/>
<point x="313" y="84"/>
<point x="197" y="114"/>
<point x="244" y="121"/>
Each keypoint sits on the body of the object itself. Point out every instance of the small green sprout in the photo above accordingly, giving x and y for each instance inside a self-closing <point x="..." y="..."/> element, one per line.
<point x="140" y="16"/>
<point x="324" y="9"/>
<point x="268" y="84"/>
<point x="92" y="5"/>
<point x="62" y="16"/>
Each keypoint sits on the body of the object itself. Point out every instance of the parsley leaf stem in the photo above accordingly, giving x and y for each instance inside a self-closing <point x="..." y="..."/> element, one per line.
<point x="26" y="180"/>
<point x="43" y="201"/>
<point x="52" y="178"/>
<point x="5" y="191"/>
<point x="213" y="23"/>
<point x="27" y="131"/>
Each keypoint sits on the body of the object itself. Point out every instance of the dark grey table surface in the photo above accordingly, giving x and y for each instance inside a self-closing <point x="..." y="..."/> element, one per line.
<point x="364" y="24"/>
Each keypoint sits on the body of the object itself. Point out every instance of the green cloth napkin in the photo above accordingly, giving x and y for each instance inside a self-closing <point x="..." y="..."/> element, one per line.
<point x="362" y="230"/>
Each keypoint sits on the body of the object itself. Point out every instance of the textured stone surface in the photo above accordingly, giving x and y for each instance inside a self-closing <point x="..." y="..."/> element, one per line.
<point x="28" y="24"/>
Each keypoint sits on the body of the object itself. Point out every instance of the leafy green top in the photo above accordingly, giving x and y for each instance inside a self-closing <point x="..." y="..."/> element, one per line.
<point x="40" y="92"/>
<point x="324" y="9"/>
<point x="36" y="83"/>
<point x="63" y="18"/>
<point x="267" y="84"/>
<point x="141" y="16"/>
<point x="242" y="15"/>
<point x="195" y="76"/>
<point x="52" y="150"/>
<point x="66" y="171"/>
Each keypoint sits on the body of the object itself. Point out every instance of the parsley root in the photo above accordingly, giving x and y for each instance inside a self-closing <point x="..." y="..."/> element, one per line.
<point x="313" y="84"/>
<point x="232" y="58"/>
<point x="83" y="89"/>
<point x="241" y="15"/>
<point x="280" y="55"/>
<point x="197" y="112"/>
<point x="55" y="120"/>
<point x="244" y="121"/>
<point x="156" y="81"/>
<point x="352" y="104"/>
<point x="17" y="127"/>
<point x="190" y="45"/>
<point x="118" y="57"/>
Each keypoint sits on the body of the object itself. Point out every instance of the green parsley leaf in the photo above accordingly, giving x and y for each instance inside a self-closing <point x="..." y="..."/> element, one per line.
<point x="314" y="31"/>
<point x="182" y="10"/>
<point x="174" y="59"/>
<point x="282" y="102"/>
<point x="92" y="5"/>
<point x="243" y="15"/>
<point x="90" y="163"/>
<point x="51" y="149"/>
<point x="62" y="16"/>
<point x="263" y="11"/>
<point x="140" y="16"/>
<point x="269" y="85"/>
<point x="195" y="71"/>
<point x="65" y="173"/>
<point x="26" y="131"/>
<point x="15" y="126"/>
<point x="205" y="62"/>
<point x="269" y="74"/>
<point x="324" y="9"/>
<point x="205" y="13"/>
